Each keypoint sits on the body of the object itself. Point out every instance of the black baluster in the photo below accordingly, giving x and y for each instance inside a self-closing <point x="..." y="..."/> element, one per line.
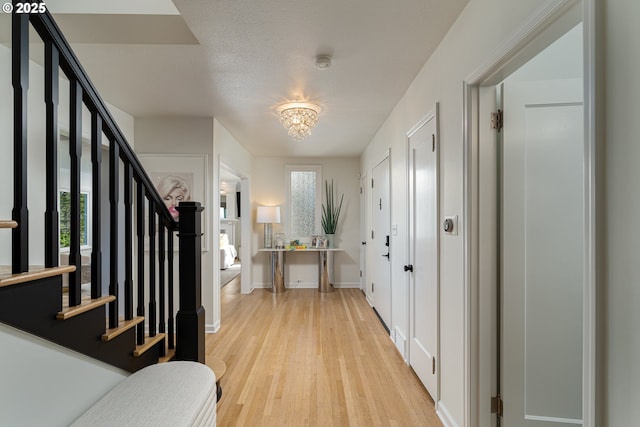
<point x="152" y="269"/>
<point x="20" y="80"/>
<point x="128" y="241"/>
<point x="161" y="283"/>
<point x="140" y="202"/>
<point x="51" y="94"/>
<point x="96" y="212"/>
<point x="170" y="326"/>
<point x="114" y="187"/>
<point x="75" y="157"/>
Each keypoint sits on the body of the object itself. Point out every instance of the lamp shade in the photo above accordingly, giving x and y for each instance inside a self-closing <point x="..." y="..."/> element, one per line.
<point x="268" y="215"/>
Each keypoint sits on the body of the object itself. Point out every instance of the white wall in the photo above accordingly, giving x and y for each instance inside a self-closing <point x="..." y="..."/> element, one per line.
<point x="45" y="384"/>
<point x="269" y="188"/>
<point x="185" y="135"/>
<point x="620" y="344"/>
<point x="483" y="25"/>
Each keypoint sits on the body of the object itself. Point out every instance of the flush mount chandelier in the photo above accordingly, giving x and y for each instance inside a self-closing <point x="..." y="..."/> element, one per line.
<point x="299" y="118"/>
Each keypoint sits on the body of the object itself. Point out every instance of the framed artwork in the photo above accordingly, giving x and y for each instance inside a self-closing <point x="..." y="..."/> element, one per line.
<point x="180" y="177"/>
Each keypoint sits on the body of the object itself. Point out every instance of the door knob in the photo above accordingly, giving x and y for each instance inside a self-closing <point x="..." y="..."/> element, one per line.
<point x="408" y="268"/>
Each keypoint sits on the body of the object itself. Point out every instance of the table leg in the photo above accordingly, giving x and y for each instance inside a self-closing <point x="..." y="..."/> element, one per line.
<point x="324" y="272"/>
<point x="277" y="272"/>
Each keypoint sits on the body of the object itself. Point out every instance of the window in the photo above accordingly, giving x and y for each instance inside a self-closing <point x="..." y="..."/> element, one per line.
<point x="65" y="219"/>
<point x="304" y="201"/>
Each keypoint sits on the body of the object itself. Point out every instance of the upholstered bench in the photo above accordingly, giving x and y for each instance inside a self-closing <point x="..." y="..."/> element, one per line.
<point x="167" y="394"/>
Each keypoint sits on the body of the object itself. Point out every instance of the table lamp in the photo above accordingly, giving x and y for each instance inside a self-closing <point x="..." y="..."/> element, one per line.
<point x="268" y="215"/>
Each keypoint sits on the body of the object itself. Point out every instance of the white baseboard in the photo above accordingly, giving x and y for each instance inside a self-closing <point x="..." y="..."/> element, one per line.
<point x="400" y="341"/>
<point x="301" y="285"/>
<point x="212" y="328"/>
<point x="208" y="328"/>
<point x="366" y="297"/>
<point x="347" y="285"/>
<point x="260" y="285"/>
<point x="309" y="285"/>
<point x="444" y="415"/>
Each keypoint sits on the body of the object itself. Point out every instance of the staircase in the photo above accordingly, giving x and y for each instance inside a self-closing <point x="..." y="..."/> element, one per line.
<point x="126" y="320"/>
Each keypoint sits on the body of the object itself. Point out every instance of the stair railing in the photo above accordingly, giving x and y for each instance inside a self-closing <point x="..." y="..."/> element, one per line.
<point x="140" y="207"/>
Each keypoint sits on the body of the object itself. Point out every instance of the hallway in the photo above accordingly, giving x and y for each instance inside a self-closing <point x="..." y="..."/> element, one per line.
<point x="307" y="359"/>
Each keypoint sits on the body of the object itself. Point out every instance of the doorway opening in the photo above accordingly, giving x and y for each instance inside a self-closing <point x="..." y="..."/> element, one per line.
<point x="531" y="284"/>
<point x="234" y="230"/>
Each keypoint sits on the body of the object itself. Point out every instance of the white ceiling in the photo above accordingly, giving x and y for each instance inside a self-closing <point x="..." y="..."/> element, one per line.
<point x="236" y="60"/>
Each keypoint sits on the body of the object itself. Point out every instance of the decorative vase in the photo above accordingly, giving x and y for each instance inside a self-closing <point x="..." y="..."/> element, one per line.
<point x="331" y="240"/>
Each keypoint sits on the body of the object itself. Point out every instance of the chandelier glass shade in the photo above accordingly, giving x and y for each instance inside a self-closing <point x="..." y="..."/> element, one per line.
<point x="299" y="118"/>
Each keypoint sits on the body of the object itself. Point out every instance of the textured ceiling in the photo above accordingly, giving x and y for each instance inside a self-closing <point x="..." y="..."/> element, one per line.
<point x="238" y="59"/>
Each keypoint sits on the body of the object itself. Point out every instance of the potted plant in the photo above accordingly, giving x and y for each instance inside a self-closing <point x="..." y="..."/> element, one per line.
<point x="330" y="213"/>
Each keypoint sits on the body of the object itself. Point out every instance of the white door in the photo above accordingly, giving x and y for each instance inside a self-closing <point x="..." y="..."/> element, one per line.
<point x="423" y="254"/>
<point x="380" y="283"/>
<point x="543" y="253"/>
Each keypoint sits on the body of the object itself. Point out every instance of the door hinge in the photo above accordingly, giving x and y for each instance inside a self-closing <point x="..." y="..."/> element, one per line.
<point x="433" y="142"/>
<point x="360" y="190"/>
<point x="371" y="286"/>
<point x="360" y="273"/>
<point x="371" y="182"/>
<point x="433" y="365"/>
<point x="497" y="405"/>
<point x="497" y="120"/>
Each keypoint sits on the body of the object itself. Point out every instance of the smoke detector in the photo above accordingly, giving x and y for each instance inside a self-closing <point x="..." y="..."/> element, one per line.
<point x="323" y="62"/>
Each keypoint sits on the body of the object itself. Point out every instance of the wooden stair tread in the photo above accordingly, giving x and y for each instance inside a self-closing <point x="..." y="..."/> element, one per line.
<point x="85" y="306"/>
<point x="35" y="273"/>
<point x="217" y="366"/>
<point x="7" y="223"/>
<point x="171" y="353"/>
<point x="123" y="326"/>
<point x="149" y="342"/>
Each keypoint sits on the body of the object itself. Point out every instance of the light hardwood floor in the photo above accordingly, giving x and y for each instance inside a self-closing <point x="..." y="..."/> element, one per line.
<point x="302" y="358"/>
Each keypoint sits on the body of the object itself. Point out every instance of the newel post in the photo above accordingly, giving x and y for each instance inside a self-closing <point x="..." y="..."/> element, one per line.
<point x="190" y="317"/>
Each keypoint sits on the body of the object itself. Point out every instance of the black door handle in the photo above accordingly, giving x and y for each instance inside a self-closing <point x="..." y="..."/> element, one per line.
<point x="408" y="268"/>
<point x="387" y="255"/>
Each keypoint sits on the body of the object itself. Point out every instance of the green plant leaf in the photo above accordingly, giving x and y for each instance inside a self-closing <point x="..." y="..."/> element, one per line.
<point x="330" y="210"/>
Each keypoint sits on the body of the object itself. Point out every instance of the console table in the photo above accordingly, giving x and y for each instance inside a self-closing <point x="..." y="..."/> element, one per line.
<point x="325" y="267"/>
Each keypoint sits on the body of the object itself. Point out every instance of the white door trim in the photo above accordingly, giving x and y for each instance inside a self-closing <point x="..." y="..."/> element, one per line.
<point x="506" y="59"/>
